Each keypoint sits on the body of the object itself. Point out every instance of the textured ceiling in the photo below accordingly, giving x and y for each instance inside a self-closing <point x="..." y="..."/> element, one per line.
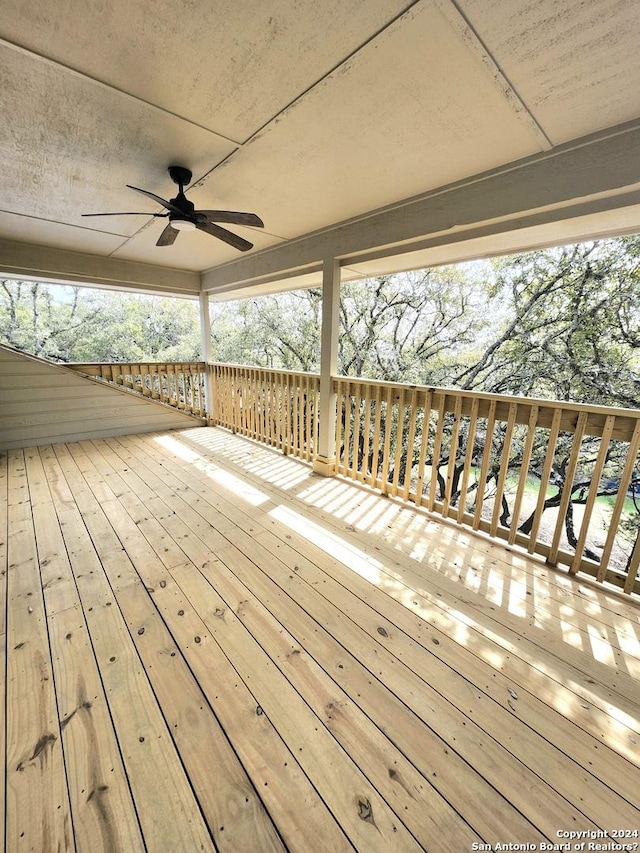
<point x="308" y="112"/>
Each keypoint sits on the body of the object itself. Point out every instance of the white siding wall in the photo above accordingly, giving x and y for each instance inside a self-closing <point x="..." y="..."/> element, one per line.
<point x="43" y="403"/>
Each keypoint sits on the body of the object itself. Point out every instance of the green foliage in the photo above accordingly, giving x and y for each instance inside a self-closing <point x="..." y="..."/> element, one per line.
<point x="556" y="323"/>
<point x="570" y="328"/>
<point x="78" y="324"/>
<point x="281" y="332"/>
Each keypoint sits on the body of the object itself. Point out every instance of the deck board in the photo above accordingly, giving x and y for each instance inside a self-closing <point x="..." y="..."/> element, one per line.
<point x="505" y="636"/>
<point x="37" y="799"/>
<point x="3" y="630"/>
<point x="102" y="808"/>
<point x="256" y="658"/>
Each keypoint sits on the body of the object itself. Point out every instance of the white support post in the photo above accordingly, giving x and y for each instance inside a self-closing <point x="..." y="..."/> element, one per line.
<point x="325" y="460"/>
<point x="205" y="339"/>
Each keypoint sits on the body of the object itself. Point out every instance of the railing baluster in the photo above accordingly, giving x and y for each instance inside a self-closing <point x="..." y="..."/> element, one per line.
<point x="435" y="459"/>
<point x="309" y="406"/>
<point x="374" y="480"/>
<point x="468" y="459"/>
<point x="544" y="479"/>
<point x="301" y="399"/>
<point x="632" y="568"/>
<point x="387" y="440"/>
<point x="356" y="431"/>
<point x="591" y="498"/>
<point x="366" y="434"/>
<point x="623" y="488"/>
<point x="411" y="438"/>
<point x="524" y="472"/>
<point x="347" y="429"/>
<point x="397" y="461"/>
<point x="295" y="403"/>
<point x="234" y="400"/>
<point x="568" y="486"/>
<point x="484" y="468"/>
<point x="453" y="455"/>
<point x="504" y="468"/>
<point x="287" y="415"/>
<point x="424" y="446"/>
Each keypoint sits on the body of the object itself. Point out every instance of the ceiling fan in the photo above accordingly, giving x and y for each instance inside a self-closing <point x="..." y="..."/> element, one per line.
<point x="184" y="217"/>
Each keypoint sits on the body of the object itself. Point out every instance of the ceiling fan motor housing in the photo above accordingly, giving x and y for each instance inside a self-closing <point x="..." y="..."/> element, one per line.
<point x="179" y="175"/>
<point x="186" y="220"/>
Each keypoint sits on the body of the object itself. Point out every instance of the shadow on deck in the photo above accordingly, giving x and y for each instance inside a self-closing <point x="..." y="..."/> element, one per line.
<point x="210" y="647"/>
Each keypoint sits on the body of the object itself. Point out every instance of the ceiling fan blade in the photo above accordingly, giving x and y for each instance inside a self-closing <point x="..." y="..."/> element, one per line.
<point x="156" y="198"/>
<point x="127" y="213"/>
<point x="223" y="234"/>
<point x="232" y="216"/>
<point x="168" y="236"/>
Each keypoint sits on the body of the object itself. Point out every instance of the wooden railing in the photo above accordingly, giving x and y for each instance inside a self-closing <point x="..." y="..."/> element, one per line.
<point x="178" y="384"/>
<point x="556" y="478"/>
<point x="278" y="407"/>
<point x="559" y="479"/>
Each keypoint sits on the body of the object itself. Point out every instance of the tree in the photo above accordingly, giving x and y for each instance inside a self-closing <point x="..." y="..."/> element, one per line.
<point x="32" y="319"/>
<point x="572" y="332"/>
<point x="78" y="324"/>
<point x="406" y="328"/>
<point x="280" y="331"/>
<point x="571" y="327"/>
<point x="400" y="328"/>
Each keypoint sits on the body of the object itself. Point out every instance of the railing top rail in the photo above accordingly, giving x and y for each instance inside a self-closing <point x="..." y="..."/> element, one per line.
<point x="296" y="373"/>
<point x="199" y="364"/>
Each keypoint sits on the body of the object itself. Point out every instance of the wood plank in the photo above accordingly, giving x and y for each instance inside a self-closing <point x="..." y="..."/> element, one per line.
<point x="104" y="817"/>
<point x="480" y="553"/>
<point x="3" y="630"/>
<point x="586" y="792"/>
<point x="498" y="691"/>
<point x="38" y="815"/>
<point x="363" y="814"/>
<point x="236" y="817"/>
<point x="299" y="813"/>
<point x="534" y="725"/>
<point x="89" y="402"/>
<point x="253" y="580"/>
<point x="407" y="676"/>
<point x="408" y="791"/>
<point x="422" y="819"/>
<point x="490" y="632"/>
<point x="554" y="727"/>
<point x="332" y="772"/>
<point x="235" y="814"/>
<point x="174" y="518"/>
<point x="107" y="410"/>
<point x="169" y="815"/>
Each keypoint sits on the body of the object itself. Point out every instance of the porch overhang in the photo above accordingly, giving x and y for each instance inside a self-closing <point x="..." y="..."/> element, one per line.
<point x="412" y="133"/>
<point x="587" y="189"/>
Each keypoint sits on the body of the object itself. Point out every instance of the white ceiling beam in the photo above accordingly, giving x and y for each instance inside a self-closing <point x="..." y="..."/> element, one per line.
<point x="582" y="175"/>
<point x="45" y="263"/>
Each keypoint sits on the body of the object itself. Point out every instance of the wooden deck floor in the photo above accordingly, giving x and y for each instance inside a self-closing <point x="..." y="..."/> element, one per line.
<point x="207" y="647"/>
